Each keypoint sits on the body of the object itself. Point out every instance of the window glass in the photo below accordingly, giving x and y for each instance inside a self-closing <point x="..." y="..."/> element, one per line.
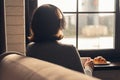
<point x="70" y="31"/>
<point x="96" y="31"/>
<point x="64" y="5"/>
<point x="96" y="5"/>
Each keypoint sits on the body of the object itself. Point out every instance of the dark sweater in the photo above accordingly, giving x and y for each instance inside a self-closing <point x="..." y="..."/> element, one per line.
<point x="61" y="54"/>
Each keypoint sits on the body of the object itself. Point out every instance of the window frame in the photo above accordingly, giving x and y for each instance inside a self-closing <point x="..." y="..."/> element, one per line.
<point x="110" y="54"/>
<point x="2" y="28"/>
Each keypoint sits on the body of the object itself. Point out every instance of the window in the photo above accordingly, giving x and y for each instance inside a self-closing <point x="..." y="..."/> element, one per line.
<point x="90" y="23"/>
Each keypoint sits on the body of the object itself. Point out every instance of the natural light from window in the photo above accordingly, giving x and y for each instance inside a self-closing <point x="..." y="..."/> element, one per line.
<point x="95" y="29"/>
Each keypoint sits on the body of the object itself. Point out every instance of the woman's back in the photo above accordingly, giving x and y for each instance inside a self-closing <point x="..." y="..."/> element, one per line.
<point x="65" y="55"/>
<point x="47" y="25"/>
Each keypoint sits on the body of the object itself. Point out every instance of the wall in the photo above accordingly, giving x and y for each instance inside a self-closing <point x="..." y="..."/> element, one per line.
<point x="15" y="25"/>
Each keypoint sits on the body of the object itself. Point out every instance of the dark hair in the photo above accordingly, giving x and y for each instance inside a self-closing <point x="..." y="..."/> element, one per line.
<point x="47" y="23"/>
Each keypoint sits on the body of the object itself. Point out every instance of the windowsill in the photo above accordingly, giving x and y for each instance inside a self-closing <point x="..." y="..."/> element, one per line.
<point x="111" y="66"/>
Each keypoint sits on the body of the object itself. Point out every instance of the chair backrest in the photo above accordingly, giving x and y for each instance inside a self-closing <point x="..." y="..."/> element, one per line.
<point x="20" y="67"/>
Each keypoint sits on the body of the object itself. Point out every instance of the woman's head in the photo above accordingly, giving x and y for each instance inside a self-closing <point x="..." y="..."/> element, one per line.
<point x="47" y="24"/>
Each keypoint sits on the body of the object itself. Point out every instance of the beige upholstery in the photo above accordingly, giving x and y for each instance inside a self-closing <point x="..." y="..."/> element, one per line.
<point x="19" y="67"/>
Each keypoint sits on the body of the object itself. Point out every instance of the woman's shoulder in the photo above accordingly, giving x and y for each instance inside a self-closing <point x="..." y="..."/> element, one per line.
<point x="51" y="44"/>
<point x="31" y="44"/>
<point x="66" y="45"/>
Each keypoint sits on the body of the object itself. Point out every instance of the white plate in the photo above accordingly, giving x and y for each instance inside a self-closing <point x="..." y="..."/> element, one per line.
<point x="108" y="62"/>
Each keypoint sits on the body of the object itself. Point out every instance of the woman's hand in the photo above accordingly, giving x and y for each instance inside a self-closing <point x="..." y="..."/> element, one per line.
<point x="89" y="62"/>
